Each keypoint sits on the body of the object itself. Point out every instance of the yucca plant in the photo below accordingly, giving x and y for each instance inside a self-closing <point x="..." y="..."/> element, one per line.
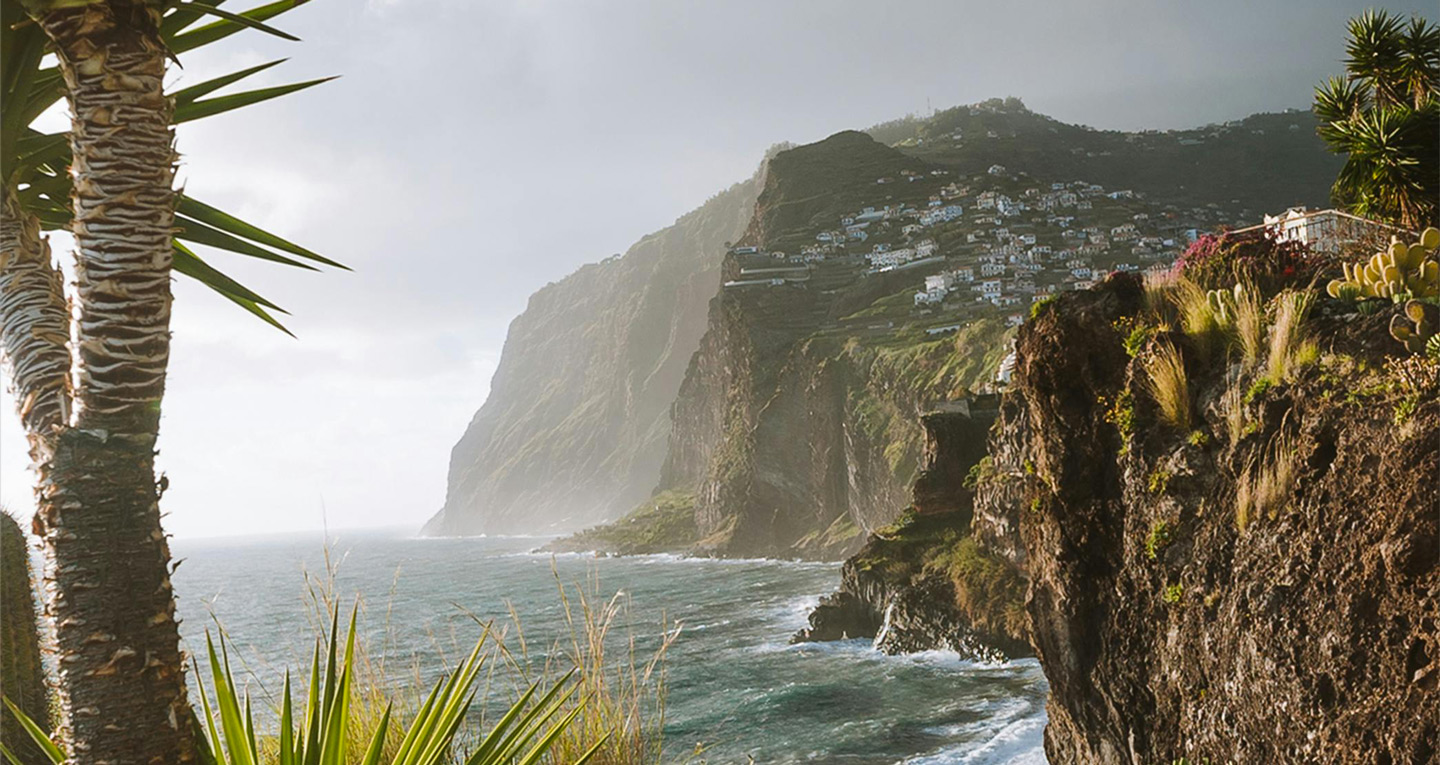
<point x="1384" y="115"/>
<point x="89" y="368"/>
<point x="320" y="731"/>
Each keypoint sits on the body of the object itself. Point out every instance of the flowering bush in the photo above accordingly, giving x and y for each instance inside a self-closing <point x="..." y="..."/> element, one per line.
<point x="1217" y="261"/>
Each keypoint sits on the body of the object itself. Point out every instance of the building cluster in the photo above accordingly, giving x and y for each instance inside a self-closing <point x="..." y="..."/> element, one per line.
<point x="1027" y="247"/>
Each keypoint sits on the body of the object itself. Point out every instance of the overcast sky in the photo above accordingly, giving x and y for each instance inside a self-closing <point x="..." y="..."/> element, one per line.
<point x="475" y="150"/>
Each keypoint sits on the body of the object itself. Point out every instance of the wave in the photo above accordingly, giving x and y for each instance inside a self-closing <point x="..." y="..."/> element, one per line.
<point x="1019" y="742"/>
<point x="647" y="559"/>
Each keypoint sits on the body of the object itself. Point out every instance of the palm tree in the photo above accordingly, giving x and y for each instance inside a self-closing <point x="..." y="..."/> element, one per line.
<point x="1384" y="114"/>
<point x="89" y="373"/>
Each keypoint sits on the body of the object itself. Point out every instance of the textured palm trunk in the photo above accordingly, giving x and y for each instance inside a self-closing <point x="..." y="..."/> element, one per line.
<point x="34" y="325"/>
<point x="121" y="673"/>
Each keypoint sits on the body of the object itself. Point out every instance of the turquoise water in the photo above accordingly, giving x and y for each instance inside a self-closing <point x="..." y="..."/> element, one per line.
<point x="735" y="684"/>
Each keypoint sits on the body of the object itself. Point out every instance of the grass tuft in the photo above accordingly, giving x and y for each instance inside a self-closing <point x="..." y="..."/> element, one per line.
<point x="1267" y="484"/>
<point x="1165" y="370"/>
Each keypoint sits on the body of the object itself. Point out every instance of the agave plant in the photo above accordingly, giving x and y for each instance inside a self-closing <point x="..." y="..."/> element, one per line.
<point x="322" y="732"/>
<point x="89" y="367"/>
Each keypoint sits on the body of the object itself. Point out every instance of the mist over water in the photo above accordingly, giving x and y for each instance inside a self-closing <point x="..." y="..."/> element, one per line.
<point x="735" y="685"/>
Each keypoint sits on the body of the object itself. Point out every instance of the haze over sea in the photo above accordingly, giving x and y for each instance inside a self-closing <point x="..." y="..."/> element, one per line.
<point x="735" y="685"/>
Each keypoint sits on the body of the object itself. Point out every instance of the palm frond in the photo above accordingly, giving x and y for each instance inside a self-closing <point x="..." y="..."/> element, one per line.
<point x="35" y="164"/>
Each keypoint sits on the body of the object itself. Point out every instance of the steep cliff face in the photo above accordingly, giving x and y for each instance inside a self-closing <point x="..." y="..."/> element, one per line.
<point x="922" y="583"/>
<point x="796" y="426"/>
<point x="575" y="427"/>
<point x="1260" y="586"/>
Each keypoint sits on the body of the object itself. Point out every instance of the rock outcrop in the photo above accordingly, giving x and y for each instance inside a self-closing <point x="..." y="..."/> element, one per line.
<point x="1262" y="587"/>
<point x="922" y="584"/>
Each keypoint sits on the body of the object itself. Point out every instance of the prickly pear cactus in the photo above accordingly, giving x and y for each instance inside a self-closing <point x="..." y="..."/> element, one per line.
<point x="22" y="677"/>
<point x="1416" y="325"/>
<point x="1401" y="269"/>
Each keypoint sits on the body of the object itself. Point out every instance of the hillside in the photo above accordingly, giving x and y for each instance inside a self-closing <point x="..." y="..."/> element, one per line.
<point x="869" y="283"/>
<point x="575" y="426"/>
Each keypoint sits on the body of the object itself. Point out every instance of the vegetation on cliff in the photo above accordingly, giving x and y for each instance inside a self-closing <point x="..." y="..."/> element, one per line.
<point x="1187" y="555"/>
<point x="663" y="524"/>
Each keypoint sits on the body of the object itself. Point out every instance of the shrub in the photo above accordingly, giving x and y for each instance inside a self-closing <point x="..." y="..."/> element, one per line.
<point x="1121" y="414"/>
<point x="1158" y="481"/>
<point x="1160" y="537"/>
<point x="1220" y="261"/>
<point x="988" y="589"/>
<point x="980" y="473"/>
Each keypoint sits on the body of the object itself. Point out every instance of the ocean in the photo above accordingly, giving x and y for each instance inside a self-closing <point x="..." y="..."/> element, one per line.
<point x="735" y="685"/>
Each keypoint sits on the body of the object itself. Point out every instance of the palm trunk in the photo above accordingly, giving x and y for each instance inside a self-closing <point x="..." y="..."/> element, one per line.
<point x="121" y="671"/>
<point x="34" y="325"/>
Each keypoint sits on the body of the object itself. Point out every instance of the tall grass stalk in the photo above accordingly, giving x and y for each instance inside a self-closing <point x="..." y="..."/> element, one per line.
<point x="1289" y="349"/>
<point x="1198" y="318"/>
<point x="1159" y="289"/>
<point x="1249" y="322"/>
<point x="1165" y="370"/>
<point x="1266" y="485"/>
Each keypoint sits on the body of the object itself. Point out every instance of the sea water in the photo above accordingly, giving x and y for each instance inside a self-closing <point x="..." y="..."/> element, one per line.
<point x="735" y="685"/>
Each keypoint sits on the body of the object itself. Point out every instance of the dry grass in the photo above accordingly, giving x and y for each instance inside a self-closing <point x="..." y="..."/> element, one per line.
<point x="1159" y="295"/>
<point x="621" y="698"/>
<point x="1165" y="370"/>
<point x="1232" y="405"/>
<point x="626" y="698"/>
<point x="1249" y="322"/>
<point x="1289" y="348"/>
<point x="1266" y="484"/>
<point x="1205" y="327"/>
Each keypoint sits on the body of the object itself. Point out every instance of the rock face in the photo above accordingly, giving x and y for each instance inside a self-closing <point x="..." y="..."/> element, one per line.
<point x="796" y="441"/>
<point x="574" y="430"/>
<point x="913" y="586"/>
<point x="1177" y="615"/>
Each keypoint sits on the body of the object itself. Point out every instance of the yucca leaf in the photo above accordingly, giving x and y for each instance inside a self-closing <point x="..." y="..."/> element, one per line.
<point x="491" y="743"/>
<point x="548" y="740"/>
<point x="179" y="17"/>
<point x="192" y="230"/>
<point x="412" y="736"/>
<point x="186" y="95"/>
<point x="238" y="18"/>
<point x="377" y="743"/>
<point x="594" y="750"/>
<point x="312" y="712"/>
<point x="525" y="729"/>
<point x="9" y="756"/>
<point x="215" y="741"/>
<point x="190" y="264"/>
<point x="228" y="223"/>
<point x="37" y="735"/>
<point x="195" y="110"/>
<point x="219" y="30"/>
<point x="287" y="727"/>
<point x="227" y="702"/>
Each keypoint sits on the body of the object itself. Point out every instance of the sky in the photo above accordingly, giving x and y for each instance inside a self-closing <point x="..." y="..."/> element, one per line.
<point x="474" y="150"/>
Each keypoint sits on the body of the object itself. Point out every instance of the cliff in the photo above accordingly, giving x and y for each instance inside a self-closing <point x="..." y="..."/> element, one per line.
<point x="575" y="427"/>
<point x="922" y="583"/>
<point x="1259" y="584"/>
<point x="788" y="406"/>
